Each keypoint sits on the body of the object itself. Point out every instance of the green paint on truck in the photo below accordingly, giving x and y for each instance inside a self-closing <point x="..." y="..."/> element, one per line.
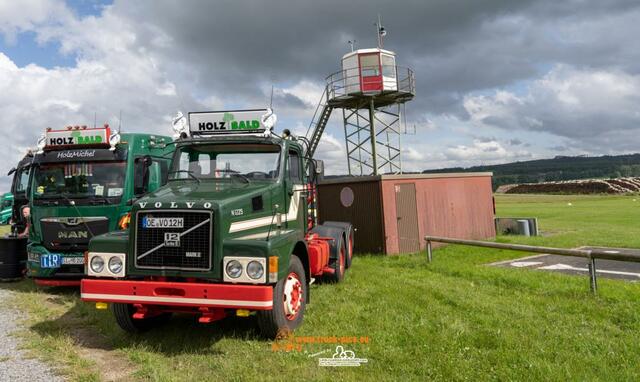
<point x="232" y="232"/>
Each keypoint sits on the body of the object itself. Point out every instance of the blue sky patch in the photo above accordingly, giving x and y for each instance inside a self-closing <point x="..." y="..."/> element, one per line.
<point x="26" y="50"/>
<point x="84" y="8"/>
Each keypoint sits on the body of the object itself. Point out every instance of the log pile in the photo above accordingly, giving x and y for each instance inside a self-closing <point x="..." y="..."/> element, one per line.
<point x="582" y="186"/>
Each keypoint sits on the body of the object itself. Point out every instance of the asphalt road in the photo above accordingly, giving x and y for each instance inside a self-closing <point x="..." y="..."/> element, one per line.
<point x="579" y="266"/>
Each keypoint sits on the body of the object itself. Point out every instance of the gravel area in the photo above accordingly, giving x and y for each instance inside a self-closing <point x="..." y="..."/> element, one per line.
<point x="15" y="366"/>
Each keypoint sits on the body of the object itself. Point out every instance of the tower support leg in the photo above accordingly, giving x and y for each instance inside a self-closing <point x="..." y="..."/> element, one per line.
<point x="372" y="126"/>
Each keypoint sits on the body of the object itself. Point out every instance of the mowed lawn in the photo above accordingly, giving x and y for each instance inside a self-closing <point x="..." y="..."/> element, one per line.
<point x="453" y="319"/>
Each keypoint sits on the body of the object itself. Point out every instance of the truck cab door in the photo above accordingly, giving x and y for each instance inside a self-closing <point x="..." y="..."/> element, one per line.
<point x="293" y="180"/>
<point x="20" y="189"/>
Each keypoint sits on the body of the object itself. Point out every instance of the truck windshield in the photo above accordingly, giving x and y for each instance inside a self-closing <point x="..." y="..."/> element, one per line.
<point x="79" y="180"/>
<point x="247" y="162"/>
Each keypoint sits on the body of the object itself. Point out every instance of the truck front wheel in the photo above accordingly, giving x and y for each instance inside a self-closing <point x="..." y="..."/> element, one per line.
<point x="124" y="318"/>
<point x="289" y="302"/>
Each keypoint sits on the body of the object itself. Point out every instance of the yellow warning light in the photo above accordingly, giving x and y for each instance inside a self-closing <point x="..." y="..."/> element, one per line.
<point x="101" y="305"/>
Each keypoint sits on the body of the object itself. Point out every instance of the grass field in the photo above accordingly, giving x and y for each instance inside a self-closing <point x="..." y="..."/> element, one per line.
<point x="454" y="319"/>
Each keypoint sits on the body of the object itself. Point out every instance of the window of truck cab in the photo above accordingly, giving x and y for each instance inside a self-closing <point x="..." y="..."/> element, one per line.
<point x="79" y="180"/>
<point x="227" y="161"/>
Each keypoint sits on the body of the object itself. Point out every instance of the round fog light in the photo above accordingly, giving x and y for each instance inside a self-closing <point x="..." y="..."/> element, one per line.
<point x="255" y="270"/>
<point x="97" y="264"/>
<point x="115" y="265"/>
<point x="234" y="269"/>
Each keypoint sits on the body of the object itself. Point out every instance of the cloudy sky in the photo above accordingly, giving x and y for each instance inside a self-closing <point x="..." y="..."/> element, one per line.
<point x="497" y="81"/>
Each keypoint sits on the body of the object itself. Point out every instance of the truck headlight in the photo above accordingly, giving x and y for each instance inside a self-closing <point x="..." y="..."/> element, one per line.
<point x="234" y="269"/>
<point x="115" y="265"/>
<point x="97" y="264"/>
<point x="255" y="270"/>
<point x="244" y="269"/>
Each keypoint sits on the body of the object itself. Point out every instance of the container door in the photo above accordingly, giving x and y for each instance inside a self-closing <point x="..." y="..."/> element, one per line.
<point x="407" y="215"/>
<point x="370" y="72"/>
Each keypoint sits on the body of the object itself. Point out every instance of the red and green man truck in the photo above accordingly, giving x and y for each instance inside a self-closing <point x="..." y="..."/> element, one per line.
<point x="83" y="183"/>
<point x="233" y="232"/>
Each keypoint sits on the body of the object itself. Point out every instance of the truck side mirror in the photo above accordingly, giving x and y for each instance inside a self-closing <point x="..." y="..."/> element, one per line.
<point x="11" y="171"/>
<point x="155" y="177"/>
<point x="141" y="174"/>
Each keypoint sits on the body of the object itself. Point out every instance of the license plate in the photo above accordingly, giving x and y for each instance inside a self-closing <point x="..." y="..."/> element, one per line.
<point x="148" y="222"/>
<point x="52" y="260"/>
<point x="73" y="260"/>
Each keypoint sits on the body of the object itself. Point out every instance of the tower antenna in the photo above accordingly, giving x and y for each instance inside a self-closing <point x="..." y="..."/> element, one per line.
<point x="352" y="43"/>
<point x="271" y="99"/>
<point x="380" y="31"/>
<point x="120" y="122"/>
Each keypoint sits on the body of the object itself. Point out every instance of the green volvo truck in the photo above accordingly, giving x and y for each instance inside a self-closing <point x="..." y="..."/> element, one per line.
<point x="83" y="184"/>
<point x="232" y="233"/>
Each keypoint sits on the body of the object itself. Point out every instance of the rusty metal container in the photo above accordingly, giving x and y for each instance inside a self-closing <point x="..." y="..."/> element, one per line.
<point x="392" y="213"/>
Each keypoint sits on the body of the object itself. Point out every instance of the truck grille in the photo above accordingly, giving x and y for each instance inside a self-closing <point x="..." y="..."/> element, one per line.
<point x="71" y="233"/>
<point x="187" y="248"/>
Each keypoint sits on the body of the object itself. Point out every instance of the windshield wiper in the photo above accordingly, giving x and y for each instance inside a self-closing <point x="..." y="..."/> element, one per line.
<point x="236" y="174"/>
<point x="101" y="199"/>
<point x="188" y="172"/>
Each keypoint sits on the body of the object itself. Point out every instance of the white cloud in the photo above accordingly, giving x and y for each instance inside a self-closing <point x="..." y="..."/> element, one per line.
<point x="484" y="151"/>
<point x="581" y="104"/>
<point x="111" y="76"/>
<point x="26" y="15"/>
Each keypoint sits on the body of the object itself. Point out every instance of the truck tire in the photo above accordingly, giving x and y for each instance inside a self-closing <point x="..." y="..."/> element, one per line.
<point x="339" y="264"/>
<point x="289" y="303"/>
<point x="349" y="248"/>
<point x="124" y="318"/>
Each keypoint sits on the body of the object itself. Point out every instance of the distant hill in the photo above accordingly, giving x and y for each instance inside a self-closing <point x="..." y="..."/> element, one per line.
<point x="558" y="168"/>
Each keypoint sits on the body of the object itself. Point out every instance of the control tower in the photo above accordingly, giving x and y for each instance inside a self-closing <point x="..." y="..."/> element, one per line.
<point x="371" y="90"/>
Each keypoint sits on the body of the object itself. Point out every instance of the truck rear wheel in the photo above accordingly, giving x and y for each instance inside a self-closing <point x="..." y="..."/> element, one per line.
<point x="289" y="302"/>
<point x="349" y="248"/>
<point x="339" y="264"/>
<point x="124" y="318"/>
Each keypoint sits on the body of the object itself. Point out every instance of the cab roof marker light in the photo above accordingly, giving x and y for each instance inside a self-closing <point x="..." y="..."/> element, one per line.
<point x="114" y="139"/>
<point x="180" y="126"/>
<point x="269" y="120"/>
<point x="42" y="142"/>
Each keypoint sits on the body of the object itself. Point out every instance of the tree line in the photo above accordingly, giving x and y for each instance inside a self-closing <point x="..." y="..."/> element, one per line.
<point x="558" y="168"/>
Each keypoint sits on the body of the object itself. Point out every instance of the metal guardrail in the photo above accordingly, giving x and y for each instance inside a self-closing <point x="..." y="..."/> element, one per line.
<point x="589" y="254"/>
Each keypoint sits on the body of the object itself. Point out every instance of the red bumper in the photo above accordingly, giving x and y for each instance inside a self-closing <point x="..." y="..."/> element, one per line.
<point x="254" y="297"/>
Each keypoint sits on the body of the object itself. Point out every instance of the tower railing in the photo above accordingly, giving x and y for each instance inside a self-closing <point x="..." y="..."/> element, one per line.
<point x="354" y="81"/>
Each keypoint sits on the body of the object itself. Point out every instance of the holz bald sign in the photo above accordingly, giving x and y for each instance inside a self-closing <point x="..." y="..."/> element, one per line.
<point x="244" y="121"/>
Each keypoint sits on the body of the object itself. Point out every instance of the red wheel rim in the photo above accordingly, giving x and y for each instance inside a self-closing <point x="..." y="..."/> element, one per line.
<point x="293" y="296"/>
